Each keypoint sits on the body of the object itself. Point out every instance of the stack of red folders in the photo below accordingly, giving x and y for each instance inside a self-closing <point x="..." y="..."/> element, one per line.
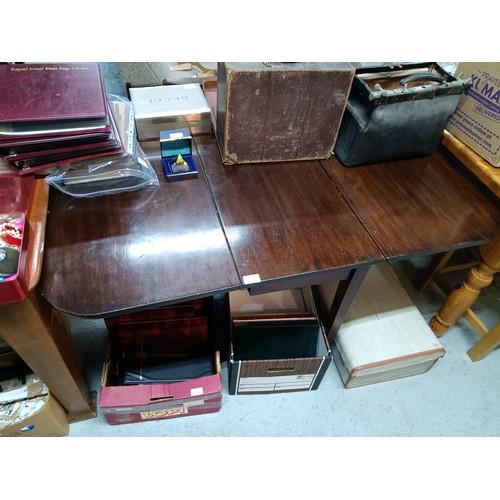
<point x="52" y="114"/>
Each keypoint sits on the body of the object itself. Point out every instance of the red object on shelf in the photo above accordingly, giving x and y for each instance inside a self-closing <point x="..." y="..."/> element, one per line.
<point x="15" y="198"/>
<point x="11" y="233"/>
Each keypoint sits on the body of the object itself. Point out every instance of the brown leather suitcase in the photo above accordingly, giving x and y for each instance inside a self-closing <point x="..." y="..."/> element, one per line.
<point x="280" y="111"/>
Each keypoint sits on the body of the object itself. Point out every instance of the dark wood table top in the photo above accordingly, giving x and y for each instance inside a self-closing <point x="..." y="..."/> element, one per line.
<point x="286" y="223"/>
<point x="134" y="250"/>
<point x="263" y="226"/>
<point x="418" y="206"/>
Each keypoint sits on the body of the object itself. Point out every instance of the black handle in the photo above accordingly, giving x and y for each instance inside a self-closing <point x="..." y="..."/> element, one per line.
<point x="428" y="77"/>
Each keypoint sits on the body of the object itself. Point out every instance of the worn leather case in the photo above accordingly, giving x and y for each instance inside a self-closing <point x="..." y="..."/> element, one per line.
<point x="396" y="112"/>
<point x="279" y="111"/>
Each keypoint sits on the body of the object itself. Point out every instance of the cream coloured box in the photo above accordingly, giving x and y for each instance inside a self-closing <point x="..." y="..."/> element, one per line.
<point x="384" y="336"/>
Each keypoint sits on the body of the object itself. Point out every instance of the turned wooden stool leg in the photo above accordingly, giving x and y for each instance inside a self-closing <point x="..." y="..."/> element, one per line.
<point x="460" y="299"/>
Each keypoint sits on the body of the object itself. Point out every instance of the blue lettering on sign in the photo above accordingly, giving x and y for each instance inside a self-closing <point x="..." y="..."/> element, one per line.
<point x="486" y="94"/>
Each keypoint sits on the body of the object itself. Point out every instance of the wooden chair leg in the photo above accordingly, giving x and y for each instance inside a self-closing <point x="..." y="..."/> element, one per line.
<point x="438" y="262"/>
<point x="486" y="344"/>
<point x="461" y="299"/>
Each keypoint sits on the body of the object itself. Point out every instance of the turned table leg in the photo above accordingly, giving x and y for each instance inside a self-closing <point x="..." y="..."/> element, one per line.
<point x="460" y="299"/>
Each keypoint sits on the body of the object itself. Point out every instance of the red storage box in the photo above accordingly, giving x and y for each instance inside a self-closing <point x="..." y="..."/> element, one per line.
<point x="162" y="364"/>
<point x="185" y="323"/>
<point x="125" y="404"/>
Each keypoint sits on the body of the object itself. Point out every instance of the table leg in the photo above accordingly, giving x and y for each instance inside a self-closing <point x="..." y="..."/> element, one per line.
<point x="33" y="329"/>
<point x="461" y="298"/>
<point x="346" y="291"/>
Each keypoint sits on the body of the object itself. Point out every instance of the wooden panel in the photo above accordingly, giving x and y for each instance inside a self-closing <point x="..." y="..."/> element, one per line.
<point x="134" y="250"/>
<point x="486" y="173"/>
<point x="418" y="206"/>
<point x="285" y="220"/>
<point x="37" y="219"/>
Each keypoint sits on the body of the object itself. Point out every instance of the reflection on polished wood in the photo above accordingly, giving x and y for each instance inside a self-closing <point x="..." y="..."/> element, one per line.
<point x="288" y="226"/>
<point x="418" y="206"/>
<point x="134" y="250"/>
<point x="285" y="222"/>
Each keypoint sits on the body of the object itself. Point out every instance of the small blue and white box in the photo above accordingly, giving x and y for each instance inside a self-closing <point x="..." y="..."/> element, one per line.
<point x="176" y="152"/>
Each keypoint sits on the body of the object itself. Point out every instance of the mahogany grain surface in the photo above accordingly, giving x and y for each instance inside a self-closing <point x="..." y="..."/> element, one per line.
<point x="285" y="222"/>
<point x="418" y="206"/>
<point x="135" y="250"/>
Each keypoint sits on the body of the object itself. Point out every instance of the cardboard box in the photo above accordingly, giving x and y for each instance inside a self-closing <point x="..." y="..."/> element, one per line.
<point x="20" y="385"/>
<point x="181" y="332"/>
<point x="383" y="336"/>
<point x="140" y="403"/>
<point x="280" y="111"/>
<point x="273" y="350"/>
<point x="476" y="121"/>
<point x="170" y="107"/>
<point x="38" y="414"/>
